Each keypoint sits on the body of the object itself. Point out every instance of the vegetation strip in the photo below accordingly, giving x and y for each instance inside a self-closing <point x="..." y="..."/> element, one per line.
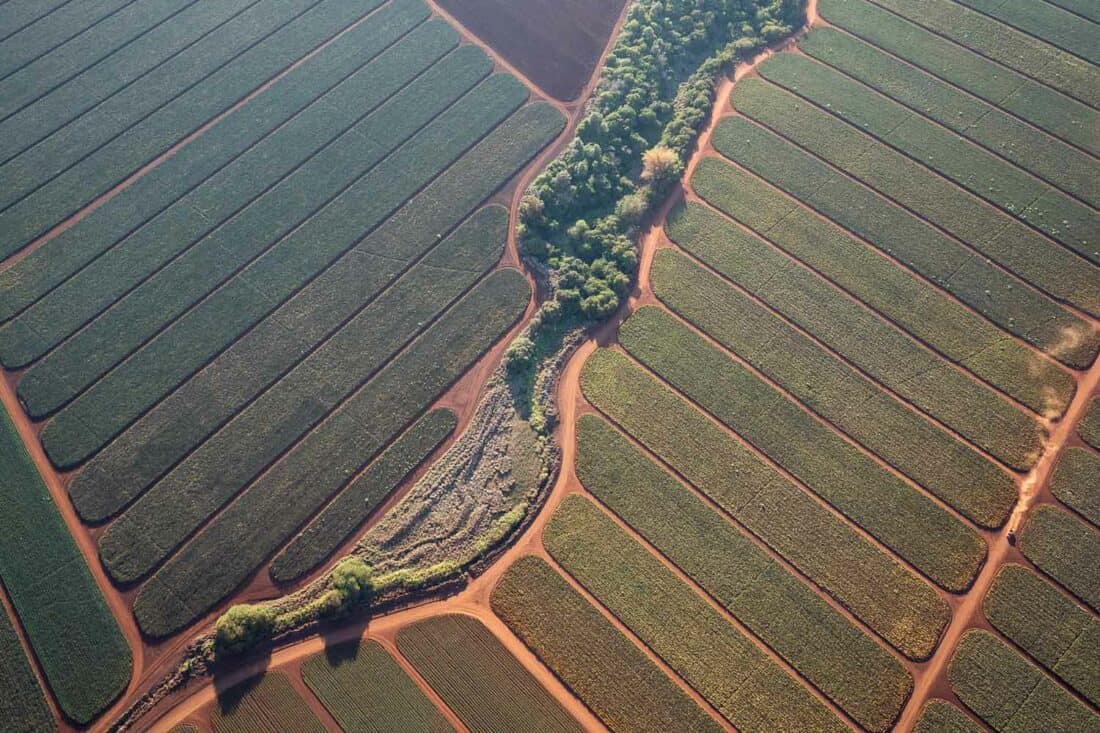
<point x="1054" y="630"/>
<point x="62" y="196"/>
<point x="889" y="428"/>
<point x="319" y="466"/>
<point x="270" y="705"/>
<point x="67" y="623"/>
<point x="619" y="683"/>
<point x="998" y="296"/>
<point x="915" y="150"/>
<point x="1065" y="548"/>
<point x="1063" y="117"/>
<point x="874" y="498"/>
<point x="1011" y="694"/>
<point x="1044" y="155"/>
<point x="365" y="690"/>
<point x="266" y="283"/>
<point x="23" y="704"/>
<point x="161" y="256"/>
<point x="897" y="605"/>
<point x="925" y="312"/>
<point x="1076" y="483"/>
<point x="938" y="716"/>
<point x="358" y="500"/>
<point x="1089" y="426"/>
<point x="489" y="690"/>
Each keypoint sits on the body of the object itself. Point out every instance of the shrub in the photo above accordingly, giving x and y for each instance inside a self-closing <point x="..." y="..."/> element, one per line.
<point x="242" y="627"/>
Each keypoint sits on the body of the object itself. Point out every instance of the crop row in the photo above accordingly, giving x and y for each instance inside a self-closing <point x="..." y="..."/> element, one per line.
<point x="1011" y="694"/>
<point x="909" y="176"/>
<point x="876" y="499"/>
<point x="1002" y="134"/>
<point x="270" y="705"/>
<point x="1089" y="426"/>
<point x="1029" y="100"/>
<point x="489" y="690"/>
<point x="262" y="178"/>
<point x="23" y="45"/>
<point x="364" y="689"/>
<point x="839" y="393"/>
<point x="182" y="421"/>
<point x="261" y="230"/>
<point x="997" y="295"/>
<point x="23" y="704"/>
<point x="938" y="716"/>
<point x="1065" y="548"/>
<point x="922" y="311"/>
<point x="358" y="500"/>
<point x="897" y="605"/>
<point x="1008" y="46"/>
<point x="1076" y="482"/>
<point x="614" y="678"/>
<point x="1085" y="8"/>
<point x="75" y="637"/>
<point x="206" y="330"/>
<point x="1054" y="630"/>
<point x="15" y="16"/>
<point x="53" y="201"/>
<point x="788" y="616"/>
<point x="270" y="510"/>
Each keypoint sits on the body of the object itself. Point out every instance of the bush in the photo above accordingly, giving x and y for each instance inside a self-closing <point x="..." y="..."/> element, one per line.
<point x="519" y="354"/>
<point x="241" y="628"/>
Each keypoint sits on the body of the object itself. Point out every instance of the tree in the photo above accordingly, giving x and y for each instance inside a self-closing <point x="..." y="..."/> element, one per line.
<point x="660" y="164"/>
<point x="242" y="627"/>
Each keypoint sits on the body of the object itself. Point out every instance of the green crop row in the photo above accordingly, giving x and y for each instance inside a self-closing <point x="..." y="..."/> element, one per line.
<point x="897" y="605"/>
<point x="1076" y="482"/>
<point x="888" y="508"/>
<point x="1006" y="45"/>
<point x="66" y="253"/>
<point x="908" y="176"/>
<point x="270" y="705"/>
<point x="23" y="704"/>
<point x="364" y="689"/>
<point x="997" y="295"/>
<point x="190" y="342"/>
<point x="1086" y="8"/>
<point x="479" y="679"/>
<point x="938" y="716"/>
<point x="1009" y="693"/>
<point x="751" y="690"/>
<point x="22" y="45"/>
<point x="57" y="199"/>
<point x="351" y="508"/>
<point x="1054" y="630"/>
<point x="15" y="17"/>
<point x="271" y="509"/>
<point x="127" y="467"/>
<point x="1065" y="548"/>
<point x="999" y="132"/>
<point x="839" y="393"/>
<point x="84" y="656"/>
<point x="263" y="179"/>
<point x="124" y="28"/>
<point x="788" y="616"/>
<point x="1043" y="107"/>
<point x="614" y="678"/>
<point x="1089" y="426"/>
<point x="100" y="80"/>
<point x="954" y="331"/>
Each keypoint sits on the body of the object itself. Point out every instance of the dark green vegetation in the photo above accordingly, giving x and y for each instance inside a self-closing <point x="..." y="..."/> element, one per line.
<point x="613" y="677"/>
<point x="366" y="691"/>
<point x="479" y="679"/>
<point x="750" y="689"/>
<point x="898" y="605"/>
<point x="23" y="705"/>
<point x="1089" y="426"/>
<point x="67" y="623"/>
<point x="270" y="705"/>
<point x="738" y="573"/>
<point x="1010" y="693"/>
<point x="1076" y="482"/>
<point x="1054" y="630"/>
<point x="938" y="716"/>
<point x="1065" y="548"/>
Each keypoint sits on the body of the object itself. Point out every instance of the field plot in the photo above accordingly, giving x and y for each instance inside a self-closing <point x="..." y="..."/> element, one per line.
<point x="65" y="618"/>
<point x="938" y="716"/>
<point x="1089" y="427"/>
<point x="479" y="679"/>
<point x="555" y="43"/>
<point x="1076" y="483"/>
<point x="270" y="705"/>
<point x="365" y="690"/>
<point x="23" y="705"/>
<point x="1065" y="548"/>
<point x="239" y="348"/>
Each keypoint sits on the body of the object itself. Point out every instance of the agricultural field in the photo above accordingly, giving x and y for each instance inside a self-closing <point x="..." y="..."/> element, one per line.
<point x="269" y="705"/>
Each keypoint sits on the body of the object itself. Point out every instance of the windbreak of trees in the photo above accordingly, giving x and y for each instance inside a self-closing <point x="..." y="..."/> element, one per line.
<point x="579" y="216"/>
